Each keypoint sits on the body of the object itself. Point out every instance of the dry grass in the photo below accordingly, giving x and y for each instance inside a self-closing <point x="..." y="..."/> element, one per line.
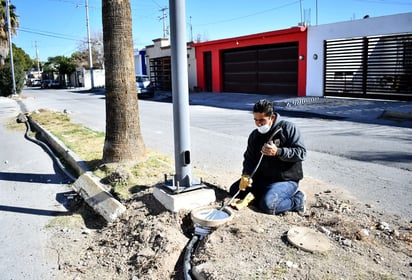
<point x="88" y="145"/>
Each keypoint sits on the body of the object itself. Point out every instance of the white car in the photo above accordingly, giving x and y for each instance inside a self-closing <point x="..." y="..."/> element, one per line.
<point x="36" y="83"/>
<point x="144" y="86"/>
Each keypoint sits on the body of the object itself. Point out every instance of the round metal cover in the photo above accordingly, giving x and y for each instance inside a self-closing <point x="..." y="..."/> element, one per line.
<point x="308" y="239"/>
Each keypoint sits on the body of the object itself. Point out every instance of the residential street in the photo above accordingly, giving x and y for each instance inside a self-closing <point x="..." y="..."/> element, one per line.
<point x="348" y="144"/>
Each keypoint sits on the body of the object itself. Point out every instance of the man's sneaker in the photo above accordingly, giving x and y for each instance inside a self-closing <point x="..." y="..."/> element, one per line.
<point x="301" y="209"/>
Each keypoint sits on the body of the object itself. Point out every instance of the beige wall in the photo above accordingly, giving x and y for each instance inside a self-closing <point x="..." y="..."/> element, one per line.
<point x="161" y="48"/>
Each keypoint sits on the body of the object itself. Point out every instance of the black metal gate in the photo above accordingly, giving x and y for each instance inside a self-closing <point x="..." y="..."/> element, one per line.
<point x="161" y="72"/>
<point x="369" y="67"/>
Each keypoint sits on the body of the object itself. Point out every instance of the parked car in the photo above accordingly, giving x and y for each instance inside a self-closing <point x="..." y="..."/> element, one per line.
<point x="50" y="83"/>
<point x="55" y="84"/>
<point x="36" y="83"/>
<point x="46" y="83"/>
<point x="144" y="86"/>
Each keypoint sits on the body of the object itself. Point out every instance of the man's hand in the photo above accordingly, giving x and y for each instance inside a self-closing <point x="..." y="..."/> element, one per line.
<point x="269" y="149"/>
<point x="245" y="181"/>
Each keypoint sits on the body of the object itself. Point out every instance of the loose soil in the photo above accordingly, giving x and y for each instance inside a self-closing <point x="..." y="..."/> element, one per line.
<point x="149" y="242"/>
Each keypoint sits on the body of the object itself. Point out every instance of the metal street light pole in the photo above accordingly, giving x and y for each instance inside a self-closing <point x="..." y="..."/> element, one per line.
<point x="180" y="90"/>
<point x="10" y="46"/>
<point x="89" y="45"/>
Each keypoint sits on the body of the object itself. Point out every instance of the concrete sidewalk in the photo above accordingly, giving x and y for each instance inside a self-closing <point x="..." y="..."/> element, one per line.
<point x="384" y="112"/>
<point x="32" y="193"/>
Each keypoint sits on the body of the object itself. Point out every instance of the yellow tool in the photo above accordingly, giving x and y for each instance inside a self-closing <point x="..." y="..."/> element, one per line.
<point x="253" y="172"/>
<point x="242" y="203"/>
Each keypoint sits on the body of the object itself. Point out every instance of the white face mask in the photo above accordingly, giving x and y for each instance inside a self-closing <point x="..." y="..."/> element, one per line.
<point x="263" y="129"/>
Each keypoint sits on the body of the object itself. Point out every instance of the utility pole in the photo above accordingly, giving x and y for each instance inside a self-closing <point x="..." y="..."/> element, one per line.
<point x="37" y="59"/>
<point x="191" y="29"/>
<point x="164" y="17"/>
<point x="14" y="92"/>
<point x="89" y="45"/>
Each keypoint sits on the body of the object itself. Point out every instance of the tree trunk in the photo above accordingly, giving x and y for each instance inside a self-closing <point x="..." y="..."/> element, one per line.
<point x="123" y="142"/>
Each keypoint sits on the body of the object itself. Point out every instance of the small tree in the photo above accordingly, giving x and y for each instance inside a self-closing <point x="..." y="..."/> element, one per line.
<point x="21" y="58"/>
<point x="21" y="63"/>
<point x="6" y="81"/>
<point x="81" y="56"/>
<point x="59" y="64"/>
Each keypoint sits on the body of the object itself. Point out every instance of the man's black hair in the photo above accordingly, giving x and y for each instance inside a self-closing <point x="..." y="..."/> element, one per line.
<point x="263" y="106"/>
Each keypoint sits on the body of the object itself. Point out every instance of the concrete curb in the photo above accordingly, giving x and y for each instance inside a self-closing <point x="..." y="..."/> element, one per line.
<point x="77" y="164"/>
<point x="87" y="185"/>
<point x="397" y="115"/>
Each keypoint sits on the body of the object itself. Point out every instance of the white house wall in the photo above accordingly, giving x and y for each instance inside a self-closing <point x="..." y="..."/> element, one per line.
<point x="191" y="68"/>
<point x="98" y="78"/>
<point x="385" y="25"/>
<point x="137" y="63"/>
<point x="160" y="48"/>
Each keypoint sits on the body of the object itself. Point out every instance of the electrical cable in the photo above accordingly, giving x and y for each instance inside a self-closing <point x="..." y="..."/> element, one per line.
<point x="23" y="118"/>
<point x="188" y="256"/>
<point x="49" y="34"/>
<point x="248" y="15"/>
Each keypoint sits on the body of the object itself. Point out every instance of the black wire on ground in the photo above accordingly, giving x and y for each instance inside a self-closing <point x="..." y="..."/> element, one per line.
<point x="188" y="256"/>
<point x="22" y="118"/>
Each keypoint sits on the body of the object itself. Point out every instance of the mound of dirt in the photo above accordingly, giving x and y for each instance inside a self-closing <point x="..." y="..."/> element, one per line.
<point x="149" y="242"/>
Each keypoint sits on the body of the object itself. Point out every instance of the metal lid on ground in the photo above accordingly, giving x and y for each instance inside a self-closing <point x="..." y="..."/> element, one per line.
<point x="308" y="239"/>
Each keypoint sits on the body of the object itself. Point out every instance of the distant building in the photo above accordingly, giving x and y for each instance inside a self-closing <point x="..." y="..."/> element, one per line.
<point x="158" y="59"/>
<point x="34" y="74"/>
<point x="267" y="63"/>
<point x="367" y="58"/>
<point x="140" y="67"/>
<point x="82" y="78"/>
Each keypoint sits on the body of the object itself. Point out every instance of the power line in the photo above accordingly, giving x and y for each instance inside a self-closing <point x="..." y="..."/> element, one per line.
<point x="156" y="3"/>
<point x="77" y="3"/>
<point x="386" y="2"/>
<point x="65" y="1"/>
<point x="250" y="15"/>
<point x="50" y="34"/>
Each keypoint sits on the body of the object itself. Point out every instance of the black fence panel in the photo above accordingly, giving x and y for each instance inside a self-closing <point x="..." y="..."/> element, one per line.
<point x="369" y="67"/>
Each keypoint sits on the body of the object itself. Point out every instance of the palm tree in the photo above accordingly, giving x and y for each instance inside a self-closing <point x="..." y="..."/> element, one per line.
<point x="4" y="41"/>
<point x="123" y="141"/>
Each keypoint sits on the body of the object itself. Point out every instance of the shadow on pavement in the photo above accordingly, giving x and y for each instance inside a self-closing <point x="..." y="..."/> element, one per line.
<point x="31" y="178"/>
<point x="32" y="211"/>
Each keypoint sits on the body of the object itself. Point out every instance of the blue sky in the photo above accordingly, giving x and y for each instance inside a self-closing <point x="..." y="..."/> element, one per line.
<point x="57" y="27"/>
